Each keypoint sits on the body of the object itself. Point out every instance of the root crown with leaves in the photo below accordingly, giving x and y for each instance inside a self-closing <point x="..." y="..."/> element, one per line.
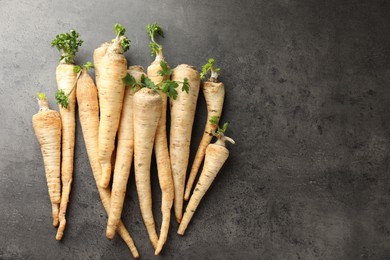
<point x="214" y="93"/>
<point x="67" y="44"/>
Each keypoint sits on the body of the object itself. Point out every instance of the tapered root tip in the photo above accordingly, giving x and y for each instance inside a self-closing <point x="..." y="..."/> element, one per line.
<point x="160" y="245"/>
<point x="106" y="175"/>
<point x="178" y="220"/>
<point x="186" y="196"/>
<point x="181" y="231"/>
<point x="110" y="233"/>
<point x="158" y="250"/>
<point x="61" y="229"/>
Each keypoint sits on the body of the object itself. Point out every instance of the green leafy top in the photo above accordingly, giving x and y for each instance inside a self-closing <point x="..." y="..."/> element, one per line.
<point x="214" y="120"/>
<point x="153" y="30"/>
<point x="41" y="96"/>
<point x="220" y="134"/>
<point x="120" y="32"/>
<point x="68" y="44"/>
<point x="42" y="101"/>
<point x="125" y="44"/>
<point x="88" y="65"/>
<point x="209" y="66"/>
<point x="119" y="29"/>
<point x="223" y="129"/>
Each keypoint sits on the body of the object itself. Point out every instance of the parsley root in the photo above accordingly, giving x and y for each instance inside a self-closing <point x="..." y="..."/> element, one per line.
<point x="147" y="112"/>
<point x="214" y="93"/>
<point x="161" y="142"/>
<point x="124" y="154"/>
<point x="182" y="118"/>
<point x="87" y="99"/>
<point x="216" y="155"/>
<point x="112" y="70"/>
<point x="98" y="55"/>
<point x="66" y="77"/>
<point x="47" y="127"/>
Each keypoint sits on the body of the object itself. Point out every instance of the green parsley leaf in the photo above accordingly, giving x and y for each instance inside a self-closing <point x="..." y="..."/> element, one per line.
<point x="209" y="66"/>
<point x="155" y="48"/>
<point x="223" y="129"/>
<point x="125" y="44"/>
<point x="186" y="86"/>
<point x="169" y="88"/>
<point x="62" y="99"/>
<point x="119" y="29"/>
<point x="68" y="44"/>
<point x="76" y="69"/>
<point x="41" y="96"/>
<point x="166" y="71"/>
<point x="153" y="30"/>
<point x="214" y="120"/>
<point x="129" y="80"/>
<point x="147" y="83"/>
<point x="88" y="65"/>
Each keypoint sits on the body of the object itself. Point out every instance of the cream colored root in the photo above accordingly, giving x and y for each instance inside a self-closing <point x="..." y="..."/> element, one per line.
<point x="113" y="69"/>
<point x="89" y="120"/>
<point x="98" y="55"/>
<point x="125" y="149"/>
<point x="147" y="111"/>
<point x="66" y="186"/>
<point x="164" y="175"/>
<point x="66" y="79"/>
<point x="162" y="158"/>
<point x="47" y="127"/>
<point x="182" y="119"/>
<point x="214" y="94"/>
<point x="216" y="156"/>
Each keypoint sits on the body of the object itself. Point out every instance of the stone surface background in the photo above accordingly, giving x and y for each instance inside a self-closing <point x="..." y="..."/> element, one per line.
<point x="308" y="99"/>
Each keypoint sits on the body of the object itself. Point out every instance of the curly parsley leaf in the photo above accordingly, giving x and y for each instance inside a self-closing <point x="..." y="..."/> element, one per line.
<point x="125" y="44"/>
<point x="119" y="29"/>
<point x="62" y="99"/>
<point x="153" y="30"/>
<point x="68" y="44"/>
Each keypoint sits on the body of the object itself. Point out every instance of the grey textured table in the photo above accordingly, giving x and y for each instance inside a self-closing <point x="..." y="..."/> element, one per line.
<point x="308" y="99"/>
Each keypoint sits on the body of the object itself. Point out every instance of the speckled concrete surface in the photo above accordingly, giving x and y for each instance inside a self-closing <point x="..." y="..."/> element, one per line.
<point x="308" y="99"/>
